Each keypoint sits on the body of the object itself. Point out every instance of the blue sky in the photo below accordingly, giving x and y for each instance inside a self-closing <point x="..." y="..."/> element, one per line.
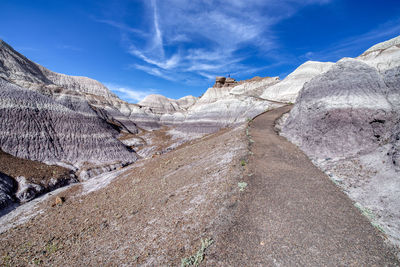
<point x="177" y="47"/>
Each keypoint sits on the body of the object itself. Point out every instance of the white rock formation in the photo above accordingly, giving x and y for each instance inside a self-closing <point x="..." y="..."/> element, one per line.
<point x="186" y="101"/>
<point x="214" y="94"/>
<point x="348" y="121"/>
<point x="220" y="106"/>
<point x="27" y="191"/>
<point x="209" y="114"/>
<point x="77" y="83"/>
<point x="229" y="105"/>
<point x="383" y="56"/>
<point x="255" y="86"/>
<point x="160" y="104"/>
<point x="288" y="89"/>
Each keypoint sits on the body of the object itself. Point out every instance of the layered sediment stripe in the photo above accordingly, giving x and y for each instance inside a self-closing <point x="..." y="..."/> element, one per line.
<point x="36" y="127"/>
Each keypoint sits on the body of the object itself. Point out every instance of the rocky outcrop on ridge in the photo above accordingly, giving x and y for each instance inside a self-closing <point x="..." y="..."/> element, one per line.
<point x="347" y="120"/>
<point x="221" y="81"/>
<point x="288" y="89"/>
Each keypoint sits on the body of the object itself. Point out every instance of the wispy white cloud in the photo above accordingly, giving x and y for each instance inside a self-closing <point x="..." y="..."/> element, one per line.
<point x="157" y="37"/>
<point x="206" y="75"/>
<point x="121" y="26"/>
<point x="130" y="94"/>
<point x="206" y="37"/>
<point x="179" y="38"/>
<point x="159" y="62"/>
<point x="155" y="71"/>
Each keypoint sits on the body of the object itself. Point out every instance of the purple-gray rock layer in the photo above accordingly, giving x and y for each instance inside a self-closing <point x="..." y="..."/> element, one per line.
<point x="36" y="127"/>
<point x="346" y="111"/>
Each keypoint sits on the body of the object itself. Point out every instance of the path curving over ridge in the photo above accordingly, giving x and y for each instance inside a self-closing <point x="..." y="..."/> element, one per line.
<point x="291" y="213"/>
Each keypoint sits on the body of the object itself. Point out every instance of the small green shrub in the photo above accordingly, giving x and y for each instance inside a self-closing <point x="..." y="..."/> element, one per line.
<point x="370" y="215"/>
<point x="365" y="211"/>
<point x="36" y="261"/>
<point x="242" y="186"/>
<point x="51" y="248"/>
<point x="243" y="162"/>
<point x="197" y="258"/>
<point x="6" y="260"/>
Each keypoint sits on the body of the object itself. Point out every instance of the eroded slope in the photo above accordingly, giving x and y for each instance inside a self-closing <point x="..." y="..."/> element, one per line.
<point x="347" y="120"/>
<point x="154" y="213"/>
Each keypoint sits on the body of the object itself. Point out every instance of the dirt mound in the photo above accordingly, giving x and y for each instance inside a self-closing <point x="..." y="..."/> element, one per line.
<point x="16" y="173"/>
<point x="34" y="171"/>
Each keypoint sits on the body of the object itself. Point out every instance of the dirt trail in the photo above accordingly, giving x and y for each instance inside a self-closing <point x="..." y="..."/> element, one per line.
<point x="157" y="211"/>
<point x="292" y="214"/>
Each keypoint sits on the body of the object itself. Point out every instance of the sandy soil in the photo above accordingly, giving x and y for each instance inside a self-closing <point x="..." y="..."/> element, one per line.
<point x="154" y="214"/>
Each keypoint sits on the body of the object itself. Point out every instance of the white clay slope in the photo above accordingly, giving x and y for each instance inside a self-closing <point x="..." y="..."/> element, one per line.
<point x="227" y="106"/>
<point x="161" y="104"/>
<point x="288" y="89"/>
<point x="383" y="56"/>
<point x="218" y="107"/>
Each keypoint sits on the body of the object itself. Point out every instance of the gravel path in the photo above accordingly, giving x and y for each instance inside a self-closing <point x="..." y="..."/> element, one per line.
<point x="291" y="213"/>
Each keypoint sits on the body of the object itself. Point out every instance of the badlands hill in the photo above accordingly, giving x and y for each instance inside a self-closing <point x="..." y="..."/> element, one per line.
<point x="77" y="123"/>
<point x="53" y="118"/>
<point x="345" y="118"/>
